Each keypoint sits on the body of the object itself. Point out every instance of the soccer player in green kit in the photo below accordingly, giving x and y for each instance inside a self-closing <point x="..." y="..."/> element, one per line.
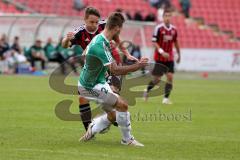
<point x="93" y="86"/>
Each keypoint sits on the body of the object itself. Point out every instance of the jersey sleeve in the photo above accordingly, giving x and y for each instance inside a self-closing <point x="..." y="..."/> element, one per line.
<point x="155" y="36"/>
<point x="77" y="36"/>
<point x="102" y="24"/>
<point x="104" y="53"/>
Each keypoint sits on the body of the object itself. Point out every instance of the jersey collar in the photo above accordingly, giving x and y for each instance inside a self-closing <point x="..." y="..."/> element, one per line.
<point x="104" y="37"/>
<point x="89" y="31"/>
<point x="170" y="27"/>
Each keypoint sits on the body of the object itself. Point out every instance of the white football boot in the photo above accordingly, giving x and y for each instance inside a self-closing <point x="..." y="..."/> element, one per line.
<point x="166" y="101"/>
<point x="145" y="95"/>
<point x="132" y="142"/>
<point x="88" y="135"/>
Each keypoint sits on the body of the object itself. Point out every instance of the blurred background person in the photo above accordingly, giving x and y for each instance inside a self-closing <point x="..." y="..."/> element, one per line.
<point x="4" y="46"/>
<point x="16" y="45"/>
<point x="185" y="5"/>
<point x="37" y="54"/>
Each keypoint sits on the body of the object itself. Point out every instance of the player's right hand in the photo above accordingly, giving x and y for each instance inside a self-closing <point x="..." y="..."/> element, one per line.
<point x="165" y="55"/>
<point x="143" y="62"/>
<point x="70" y="35"/>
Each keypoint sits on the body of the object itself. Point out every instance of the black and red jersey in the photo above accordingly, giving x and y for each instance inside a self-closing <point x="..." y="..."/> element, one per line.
<point x="165" y="37"/>
<point x="83" y="37"/>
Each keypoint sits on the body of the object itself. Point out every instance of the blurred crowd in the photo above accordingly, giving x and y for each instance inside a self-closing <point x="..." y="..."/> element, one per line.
<point x="160" y="5"/>
<point x="14" y="55"/>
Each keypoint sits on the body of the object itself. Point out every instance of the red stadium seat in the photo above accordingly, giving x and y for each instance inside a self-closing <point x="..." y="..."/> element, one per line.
<point x="224" y="13"/>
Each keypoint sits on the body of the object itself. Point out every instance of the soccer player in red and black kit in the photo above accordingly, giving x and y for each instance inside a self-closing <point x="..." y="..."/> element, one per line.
<point x="82" y="36"/>
<point x="164" y="36"/>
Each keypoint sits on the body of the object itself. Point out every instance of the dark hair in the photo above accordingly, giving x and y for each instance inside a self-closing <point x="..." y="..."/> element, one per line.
<point x="114" y="20"/>
<point x="91" y="11"/>
<point x="167" y="11"/>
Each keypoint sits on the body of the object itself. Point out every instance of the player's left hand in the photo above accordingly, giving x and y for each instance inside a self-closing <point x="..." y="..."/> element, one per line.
<point x="132" y="58"/>
<point x="143" y="62"/>
<point x="178" y="59"/>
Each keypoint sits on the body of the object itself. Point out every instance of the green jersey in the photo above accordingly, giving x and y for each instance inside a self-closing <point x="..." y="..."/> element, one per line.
<point x="98" y="56"/>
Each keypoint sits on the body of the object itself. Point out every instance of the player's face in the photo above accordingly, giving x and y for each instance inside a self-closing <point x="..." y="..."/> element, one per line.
<point x="167" y="18"/>
<point x="91" y="23"/>
<point x="117" y="31"/>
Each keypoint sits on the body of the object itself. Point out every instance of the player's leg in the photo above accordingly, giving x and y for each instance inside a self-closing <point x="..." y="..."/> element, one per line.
<point x="115" y="83"/>
<point x="155" y="81"/>
<point x="85" y="112"/>
<point x="122" y="117"/>
<point x="168" y="88"/>
<point x="103" y="94"/>
<point x="152" y="83"/>
<point x="158" y="71"/>
<point x="124" y="123"/>
<point x="102" y="123"/>
<point x="110" y="101"/>
<point x="169" y="84"/>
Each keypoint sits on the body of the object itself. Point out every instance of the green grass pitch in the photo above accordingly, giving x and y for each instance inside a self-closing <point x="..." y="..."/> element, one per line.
<point x="30" y="130"/>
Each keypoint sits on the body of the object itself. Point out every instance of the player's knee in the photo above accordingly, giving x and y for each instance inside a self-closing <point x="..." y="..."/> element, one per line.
<point x="156" y="80"/>
<point x="83" y="101"/>
<point x="114" y="89"/>
<point x="170" y="77"/>
<point x="122" y="106"/>
<point x="112" y="116"/>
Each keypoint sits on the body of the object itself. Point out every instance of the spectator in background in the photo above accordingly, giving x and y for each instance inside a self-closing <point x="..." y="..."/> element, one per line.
<point x="2" y="49"/>
<point x="5" y="41"/>
<point x="129" y="17"/>
<point x="13" y="58"/>
<point x="49" y="49"/>
<point x="158" y="3"/>
<point x="160" y="12"/>
<point x="17" y="53"/>
<point x="4" y="46"/>
<point x="16" y="45"/>
<point x="185" y="5"/>
<point x="77" y="57"/>
<point x="64" y="55"/>
<point x="154" y="3"/>
<point x="37" y="54"/>
<point x="78" y="5"/>
<point x="150" y="17"/>
<point x="138" y="16"/>
<point x="123" y="13"/>
<point x="167" y="3"/>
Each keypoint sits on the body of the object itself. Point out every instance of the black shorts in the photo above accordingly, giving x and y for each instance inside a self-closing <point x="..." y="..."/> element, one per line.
<point x="161" y="68"/>
<point x="115" y="81"/>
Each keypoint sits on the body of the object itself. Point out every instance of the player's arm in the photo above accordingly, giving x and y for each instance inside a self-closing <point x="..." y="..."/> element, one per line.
<point x="123" y="49"/>
<point x="178" y="51"/>
<point x="66" y="42"/>
<point x="160" y="50"/>
<point x="107" y="60"/>
<point x="123" y="70"/>
<point x="155" y="39"/>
